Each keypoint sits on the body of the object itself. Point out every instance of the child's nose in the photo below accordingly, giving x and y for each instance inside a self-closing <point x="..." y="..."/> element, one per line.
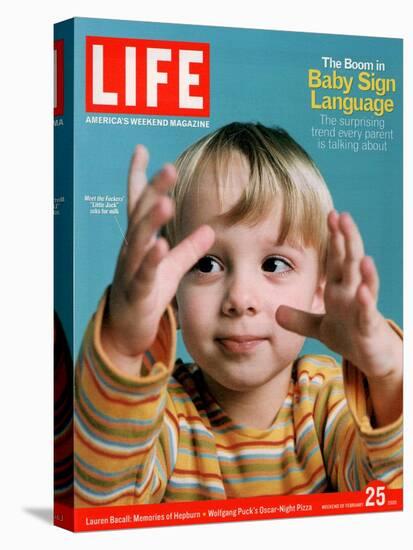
<point x="241" y="298"/>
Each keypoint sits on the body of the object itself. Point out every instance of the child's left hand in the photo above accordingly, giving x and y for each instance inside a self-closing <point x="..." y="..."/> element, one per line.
<point x="352" y="325"/>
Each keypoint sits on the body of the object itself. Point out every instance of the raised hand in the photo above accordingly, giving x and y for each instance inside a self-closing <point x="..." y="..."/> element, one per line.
<point x="147" y="272"/>
<point x="352" y="325"/>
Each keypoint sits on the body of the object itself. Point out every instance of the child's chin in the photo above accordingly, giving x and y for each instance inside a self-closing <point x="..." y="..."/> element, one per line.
<point x="247" y="381"/>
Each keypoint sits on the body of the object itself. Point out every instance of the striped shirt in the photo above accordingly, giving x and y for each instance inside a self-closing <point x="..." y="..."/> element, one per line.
<point x="162" y="437"/>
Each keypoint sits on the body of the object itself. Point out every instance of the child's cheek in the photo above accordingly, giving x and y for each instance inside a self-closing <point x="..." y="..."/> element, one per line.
<point x="299" y="298"/>
<point x="194" y="306"/>
<point x="197" y="320"/>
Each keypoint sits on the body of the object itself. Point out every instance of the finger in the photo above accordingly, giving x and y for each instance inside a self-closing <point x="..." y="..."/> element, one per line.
<point x="354" y="249"/>
<point x="370" y="276"/>
<point x="137" y="176"/>
<point x="160" y="184"/>
<point x="145" y="277"/>
<point x="186" y="254"/>
<point x="367" y="311"/>
<point x="300" y="322"/>
<point x="336" y="251"/>
<point x="164" y="180"/>
<point x="352" y="239"/>
<point x="141" y="236"/>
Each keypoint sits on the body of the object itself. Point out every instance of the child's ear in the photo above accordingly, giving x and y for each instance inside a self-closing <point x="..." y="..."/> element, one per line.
<point x="318" y="298"/>
<point x="174" y="305"/>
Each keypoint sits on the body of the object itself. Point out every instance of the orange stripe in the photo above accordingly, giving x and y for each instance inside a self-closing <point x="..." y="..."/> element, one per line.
<point x="111" y="455"/>
<point x="319" y="469"/>
<point x="304" y="418"/>
<point x="190" y="418"/>
<point x="190" y="491"/>
<point x="346" y="456"/>
<point x="399" y="474"/>
<point x="397" y="441"/>
<point x="172" y="417"/>
<point x="111" y="399"/>
<point x="106" y="502"/>
<point x="254" y="444"/>
<point x="128" y="493"/>
<point x="197" y="473"/>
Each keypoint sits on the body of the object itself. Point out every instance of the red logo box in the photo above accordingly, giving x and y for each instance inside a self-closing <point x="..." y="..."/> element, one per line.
<point x="151" y="77"/>
<point x="58" y="78"/>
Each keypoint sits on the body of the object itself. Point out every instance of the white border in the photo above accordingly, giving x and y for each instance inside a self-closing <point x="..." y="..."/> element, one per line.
<point x="26" y="270"/>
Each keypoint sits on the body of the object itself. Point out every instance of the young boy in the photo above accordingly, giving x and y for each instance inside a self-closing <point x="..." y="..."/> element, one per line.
<point x="255" y="259"/>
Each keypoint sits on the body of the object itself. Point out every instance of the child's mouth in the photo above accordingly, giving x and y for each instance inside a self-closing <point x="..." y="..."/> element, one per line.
<point x="240" y="344"/>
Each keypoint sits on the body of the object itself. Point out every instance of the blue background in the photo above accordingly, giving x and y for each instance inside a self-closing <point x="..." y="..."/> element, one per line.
<point x="256" y="75"/>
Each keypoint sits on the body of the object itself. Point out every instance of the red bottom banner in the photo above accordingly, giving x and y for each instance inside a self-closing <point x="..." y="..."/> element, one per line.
<point x="376" y="497"/>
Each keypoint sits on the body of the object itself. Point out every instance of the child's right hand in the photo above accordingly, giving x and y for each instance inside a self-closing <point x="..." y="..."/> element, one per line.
<point x="147" y="273"/>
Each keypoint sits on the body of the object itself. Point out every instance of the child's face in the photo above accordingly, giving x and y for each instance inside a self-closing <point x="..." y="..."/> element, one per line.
<point x="227" y="302"/>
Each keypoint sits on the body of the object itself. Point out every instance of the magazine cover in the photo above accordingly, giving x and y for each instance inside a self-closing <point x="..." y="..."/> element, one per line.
<point x="228" y="274"/>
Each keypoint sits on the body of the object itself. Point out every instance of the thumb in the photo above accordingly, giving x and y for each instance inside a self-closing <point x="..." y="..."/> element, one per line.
<point x="298" y="321"/>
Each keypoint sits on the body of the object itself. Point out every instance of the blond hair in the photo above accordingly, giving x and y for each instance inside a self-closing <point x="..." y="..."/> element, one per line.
<point x="279" y="170"/>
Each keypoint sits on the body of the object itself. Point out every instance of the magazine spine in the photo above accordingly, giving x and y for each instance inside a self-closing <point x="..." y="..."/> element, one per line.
<point x="63" y="174"/>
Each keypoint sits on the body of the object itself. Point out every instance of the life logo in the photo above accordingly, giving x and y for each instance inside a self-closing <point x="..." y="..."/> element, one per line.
<point x="58" y="78"/>
<point x="153" y="77"/>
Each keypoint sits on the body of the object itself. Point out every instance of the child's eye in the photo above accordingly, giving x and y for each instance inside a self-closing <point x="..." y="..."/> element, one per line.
<point x="276" y="265"/>
<point x="208" y="264"/>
